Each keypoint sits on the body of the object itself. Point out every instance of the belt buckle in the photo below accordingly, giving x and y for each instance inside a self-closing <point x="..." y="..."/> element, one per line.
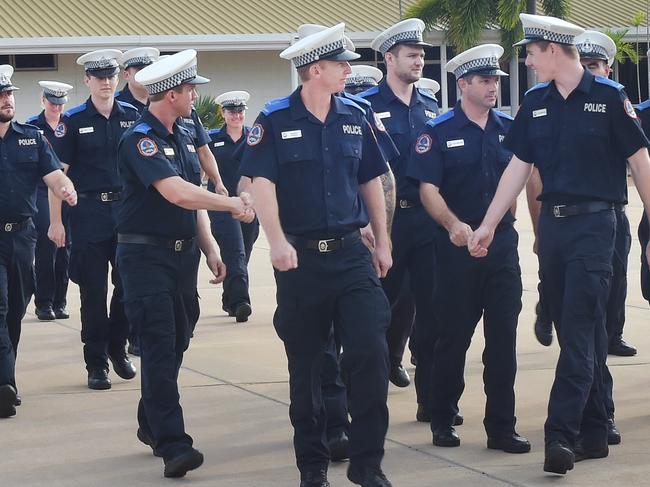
<point x="178" y="245"/>
<point x="9" y="227"/>
<point x="324" y="245"/>
<point x="557" y="211"/>
<point x="103" y="196"/>
<point x="403" y="204"/>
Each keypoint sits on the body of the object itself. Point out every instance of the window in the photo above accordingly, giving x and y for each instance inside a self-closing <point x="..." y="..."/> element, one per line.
<point x="30" y="62"/>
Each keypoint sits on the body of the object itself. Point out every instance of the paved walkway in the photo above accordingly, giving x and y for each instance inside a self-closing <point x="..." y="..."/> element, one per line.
<point x="235" y="396"/>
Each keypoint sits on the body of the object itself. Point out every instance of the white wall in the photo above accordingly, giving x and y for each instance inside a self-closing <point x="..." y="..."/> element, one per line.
<point x="262" y="73"/>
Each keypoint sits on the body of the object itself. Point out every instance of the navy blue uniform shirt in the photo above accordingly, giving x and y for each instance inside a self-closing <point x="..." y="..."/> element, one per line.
<point x="463" y="160"/>
<point x="149" y="153"/>
<point x="25" y="157"/>
<point x="53" y="136"/>
<point x="643" y="109"/>
<point x="195" y="126"/>
<point x="580" y="144"/>
<point x="404" y="124"/>
<point x="224" y="148"/>
<point x="126" y="96"/>
<point x="89" y="145"/>
<point x="316" y="167"/>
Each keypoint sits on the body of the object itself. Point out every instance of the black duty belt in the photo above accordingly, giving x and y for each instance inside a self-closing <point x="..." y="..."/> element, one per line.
<point x="10" y="227"/>
<point x="326" y="244"/>
<point x="105" y="196"/>
<point x="177" y="245"/>
<point x="405" y="204"/>
<point x="561" y="211"/>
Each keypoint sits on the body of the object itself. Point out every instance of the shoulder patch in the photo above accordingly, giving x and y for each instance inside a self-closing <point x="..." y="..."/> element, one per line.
<point x="538" y="86"/>
<point x="355" y="98"/>
<point x="423" y="144"/>
<point x="214" y="131"/>
<point x="142" y="128"/>
<point x="370" y="91"/>
<point x="275" y="105"/>
<point x="503" y="115"/>
<point x="32" y="119"/>
<point x="77" y="109"/>
<point x="629" y="108"/>
<point x="60" y="130"/>
<point x="427" y="94"/>
<point x="256" y="135"/>
<point x="606" y="81"/>
<point x="126" y="105"/>
<point x="147" y="147"/>
<point x="351" y="103"/>
<point x="441" y="118"/>
<point x="643" y="106"/>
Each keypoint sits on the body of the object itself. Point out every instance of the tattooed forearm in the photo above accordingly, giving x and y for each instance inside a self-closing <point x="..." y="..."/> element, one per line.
<point x="388" y="184"/>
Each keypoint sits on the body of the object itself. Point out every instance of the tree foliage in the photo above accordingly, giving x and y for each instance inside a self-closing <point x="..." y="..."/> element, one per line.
<point x="209" y="112"/>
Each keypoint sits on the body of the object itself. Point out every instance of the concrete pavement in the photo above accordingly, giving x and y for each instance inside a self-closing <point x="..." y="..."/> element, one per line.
<point x="235" y="397"/>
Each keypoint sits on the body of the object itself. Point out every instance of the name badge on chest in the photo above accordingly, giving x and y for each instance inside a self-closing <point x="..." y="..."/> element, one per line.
<point x="382" y="115"/>
<point x="86" y="130"/>
<point x="539" y="113"/>
<point x="219" y="144"/>
<point x="291" y="134"/>
<point x="169" y="151"/>
<point x="455" y="143"/>
<point x="191" y="148"/>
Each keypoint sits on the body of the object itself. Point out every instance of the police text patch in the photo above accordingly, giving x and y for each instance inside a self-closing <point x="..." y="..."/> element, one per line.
<point x="256" y="135"/>
<point x="596" y="107"/>
<point x="423" y="144"/>
<point x="26" y="141"/>
<point x="125" y="124"/>
<point x="430" y="114"/>
<point x="147" y="147"/>
<point x="191" y="148"/>
<point x="352" y="129"/>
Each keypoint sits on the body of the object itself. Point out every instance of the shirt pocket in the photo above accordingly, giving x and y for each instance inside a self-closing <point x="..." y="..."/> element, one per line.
<point x="294" y="151"/>
<point x="26" y="159"/>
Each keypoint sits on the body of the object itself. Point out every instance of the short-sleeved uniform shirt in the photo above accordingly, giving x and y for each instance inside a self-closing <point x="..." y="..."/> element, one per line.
<point x="463" y="160"/>
<point x="316" y="167"/>
<point x="126" y="96"/>
<point x="149" y="153"/>
<point x="224" y="149"/>
<point x="580" y="144"/>
<point x="404" y="124"/>
<point x="53" y="136"/>
<point x="25" y="157"/>
<point x="195" y="126"/>
<point x="89" y="145"/>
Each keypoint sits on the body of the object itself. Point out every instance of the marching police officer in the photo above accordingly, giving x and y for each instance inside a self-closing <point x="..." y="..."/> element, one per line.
<point x="50" y="262"/>
<point x="159" y="237"/>
<point x="458" y="160"/>
<point x="362" y="78"/>
<point x="133" y="61"/>
<point x="311" y="207"/>
<point x="235" y="239"/>
<point x="89" y="149"/>
<point x="404" y="109"/>
<point x="578" y="129"/>
<point x="25" y="158"/>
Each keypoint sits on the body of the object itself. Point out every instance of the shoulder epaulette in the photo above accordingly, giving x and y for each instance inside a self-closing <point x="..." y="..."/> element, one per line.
<point x="349" y="102"/>
<point x="31" y="119"/>
<point x="275" y="105"/>
<point x="29" y="126"/>
<point x="355" y="98"/>
<point x="77" y="109"/>
<point x="214" y="131"/>
<point x="643" y="106"/>
<point x="142" y="128"/>
<point x="441" y="118"/>
<point x="126" y="105"/>
<point x="428" y="94"/>
<point x="606" y="81"/>
<point x="538" y="86"/>
<point x="503" y="115"/>
<point x="370" y="91"/>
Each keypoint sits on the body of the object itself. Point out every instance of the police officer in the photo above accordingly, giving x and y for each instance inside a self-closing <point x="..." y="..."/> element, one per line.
<point x="25" y="158"/>
<point x="431" y="85"/>
<point x="50" y="263"/>
<point x="236" y="239"/>
<point x="160" y="234"/>
<point x="404" y="109"/>
<point x="643" y="110"/>
<point x="311" y="207"/>
<point x="89" y="148"/>
<point x="133" y="61"/>
<point x="362" y="78"/>
<point x="578" y="130"/>
<point x="458" y="160"/>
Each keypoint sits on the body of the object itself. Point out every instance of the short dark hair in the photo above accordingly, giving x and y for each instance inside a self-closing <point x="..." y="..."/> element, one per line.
<point x="303" y="72"/>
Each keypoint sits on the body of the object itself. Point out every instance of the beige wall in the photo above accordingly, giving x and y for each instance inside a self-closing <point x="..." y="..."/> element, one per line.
<point x="262" y="73"/>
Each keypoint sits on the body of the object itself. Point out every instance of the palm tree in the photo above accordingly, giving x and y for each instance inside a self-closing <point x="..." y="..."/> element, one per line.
<point x="624" y="50"/>
<point x="208" y="111"/>
<point x="637" y="21"/>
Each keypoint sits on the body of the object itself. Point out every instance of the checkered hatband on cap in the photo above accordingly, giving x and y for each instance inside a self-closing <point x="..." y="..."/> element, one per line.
<point x="476" y="65"/>
<point x="100" y="64"/>
<point x="587" y="49"/>
<point x="547" y="35"/>
<point x="409" y="35"/>
<point x="51" y="92"/>
<point x="360" y="80"/>
<point x="172" y="82"/>
<point x="140" y="60"/>
<point x="318" y="53"/>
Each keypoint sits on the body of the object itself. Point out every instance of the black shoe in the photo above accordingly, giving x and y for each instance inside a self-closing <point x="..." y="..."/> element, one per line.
<point x="446" y="436"/>
<point x="613" y="435"/>
<point x="98" y="379"/>
<point x="367" y="476"/>
<point x="61" y="313"/>
<point x="179" y="465"/>
<point x="512" y="443"/>
<point x="134" y="349"/>
<point x="399" y="376"/>
<point x="45" y="313"/>
<point x="558" y="458"/>
<point x="19" y="400"/>
<point x="621" y="348"/>
<point x="146" y="439"/>
<point x="122" y="365"/>
<point x="314" y="478"/>
<point x="543" y="328"/>
<point x="242" y="312"/>
<point x="586" y="449"/>
<point x="7" y="401"/>
<point x="228" y="310"/>
<point x="339" y="447"/>
<point x="414" y="360"/>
